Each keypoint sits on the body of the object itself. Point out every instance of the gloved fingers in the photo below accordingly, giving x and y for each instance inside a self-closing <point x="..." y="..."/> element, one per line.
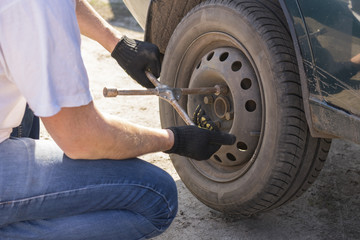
<point x="196" y="115"/>
<point x="135" y="57"/>
<point x="142" y="79"/>
<point x="155" y="69"/>
<point x="198" y="143"/>
<point x="202" y="120"/>
<point x="222" y="138"/>
<point x="208" y="124"/>
<point x="155" y="66"/>
<point x="199" y="118"/>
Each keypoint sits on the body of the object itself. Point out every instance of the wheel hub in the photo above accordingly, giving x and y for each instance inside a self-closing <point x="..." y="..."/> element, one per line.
<point x="221" y="107"/>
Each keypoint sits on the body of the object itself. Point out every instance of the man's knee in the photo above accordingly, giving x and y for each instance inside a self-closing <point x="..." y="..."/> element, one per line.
<point x="163" y="217"/>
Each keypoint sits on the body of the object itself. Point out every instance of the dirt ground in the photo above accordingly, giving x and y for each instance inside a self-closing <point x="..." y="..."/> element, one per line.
<point x="330" y="209"/>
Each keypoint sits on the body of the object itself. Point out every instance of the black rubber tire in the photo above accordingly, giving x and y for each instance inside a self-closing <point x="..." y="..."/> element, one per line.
<point x="288" y="159"/>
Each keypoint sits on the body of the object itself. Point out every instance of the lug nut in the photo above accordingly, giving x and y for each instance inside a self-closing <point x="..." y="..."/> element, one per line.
<point x="229" y="116"/>
<point x="218" y="124"/>
<point x="221" y="90"/>
<point x="208" y="99"/>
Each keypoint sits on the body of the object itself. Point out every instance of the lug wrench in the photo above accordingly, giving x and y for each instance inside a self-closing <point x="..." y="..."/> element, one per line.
<point x="169" y="94"/>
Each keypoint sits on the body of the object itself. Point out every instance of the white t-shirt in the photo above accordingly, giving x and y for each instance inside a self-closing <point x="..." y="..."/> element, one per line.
<point x="40" y="60"/>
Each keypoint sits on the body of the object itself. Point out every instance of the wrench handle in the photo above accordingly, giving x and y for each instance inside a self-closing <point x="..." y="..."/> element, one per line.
<point x="114" y="92"/>
<point x="152" y="79"/>
<point x="182" y="112"/>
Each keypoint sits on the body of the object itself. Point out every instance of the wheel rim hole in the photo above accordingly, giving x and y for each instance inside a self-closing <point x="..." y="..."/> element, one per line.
<point x="224" y="56"/>
<point x="246" y="84"/>
<point x="210" y="56"/>
<point x="217" y="158"/>
<point x="236" y="66"/>
<point x="198" y="66"/>
<point x="231" y="157"/>
<point x="250" y="106"/>
<point x="242" y="146"/>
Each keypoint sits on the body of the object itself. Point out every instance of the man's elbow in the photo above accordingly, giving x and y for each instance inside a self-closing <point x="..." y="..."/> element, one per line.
<point x="78" y="153"/>
<point x="74" y="131"/>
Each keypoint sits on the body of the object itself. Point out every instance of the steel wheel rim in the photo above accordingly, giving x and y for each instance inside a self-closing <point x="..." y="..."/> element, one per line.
<point x="225" y="61"/>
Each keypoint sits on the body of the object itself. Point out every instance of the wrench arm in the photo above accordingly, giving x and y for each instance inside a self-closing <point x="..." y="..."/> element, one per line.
<point x="152" y="79"/>
<point x="168" y="95"/>
<point x="217" y="90"/>
<point x="181" y="112"/>
<point x="113" y="92"/>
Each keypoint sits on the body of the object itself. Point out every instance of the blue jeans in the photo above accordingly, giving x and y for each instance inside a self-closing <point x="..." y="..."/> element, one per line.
<point x="46" y="195"/>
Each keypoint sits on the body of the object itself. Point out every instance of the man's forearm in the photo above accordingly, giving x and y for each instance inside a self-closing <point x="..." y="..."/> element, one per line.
<point x="95" y="27"/>
<point x="84" y="133"/>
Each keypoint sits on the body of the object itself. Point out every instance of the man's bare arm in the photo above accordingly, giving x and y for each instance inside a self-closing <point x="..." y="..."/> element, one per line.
<point x="84" y="133"/>
<point x="95" y="27"/>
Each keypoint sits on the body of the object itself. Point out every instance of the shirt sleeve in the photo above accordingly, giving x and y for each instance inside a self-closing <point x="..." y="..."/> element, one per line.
<point x="41" y="46"/>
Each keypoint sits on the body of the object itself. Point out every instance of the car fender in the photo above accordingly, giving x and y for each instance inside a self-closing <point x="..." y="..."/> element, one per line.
<point x="304" y="55"/>
<point x="139" y="10"/>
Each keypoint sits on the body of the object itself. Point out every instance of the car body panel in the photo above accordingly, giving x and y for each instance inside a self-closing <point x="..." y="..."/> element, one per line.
<point x="326" y="35"/>
<point x="139" y="9"/>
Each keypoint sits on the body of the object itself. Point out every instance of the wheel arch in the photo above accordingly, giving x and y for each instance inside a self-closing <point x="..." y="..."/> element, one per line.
<point x="305" y="59"/>
<point x="164" y="16"/>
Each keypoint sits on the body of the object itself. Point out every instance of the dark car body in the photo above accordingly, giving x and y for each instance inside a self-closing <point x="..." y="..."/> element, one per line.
<point x="326" y="37"/>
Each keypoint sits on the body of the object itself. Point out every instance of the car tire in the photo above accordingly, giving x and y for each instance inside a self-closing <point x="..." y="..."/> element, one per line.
<point x="246" y="46"/>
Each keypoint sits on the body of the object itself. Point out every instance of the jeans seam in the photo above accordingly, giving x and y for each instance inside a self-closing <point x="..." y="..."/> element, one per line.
<point x="2" y="204"/>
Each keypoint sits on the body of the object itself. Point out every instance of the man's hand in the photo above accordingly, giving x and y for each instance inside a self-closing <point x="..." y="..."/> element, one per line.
<point x="135" y="57"/>
<point x="198" y="143"/>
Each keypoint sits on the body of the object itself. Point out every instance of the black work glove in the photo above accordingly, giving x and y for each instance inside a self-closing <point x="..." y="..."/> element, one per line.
<point x="198" y="143"/>
<point x="135" y="57"/>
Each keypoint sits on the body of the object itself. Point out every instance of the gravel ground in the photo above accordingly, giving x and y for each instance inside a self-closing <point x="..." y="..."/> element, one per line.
<point x="330" y="209"/>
